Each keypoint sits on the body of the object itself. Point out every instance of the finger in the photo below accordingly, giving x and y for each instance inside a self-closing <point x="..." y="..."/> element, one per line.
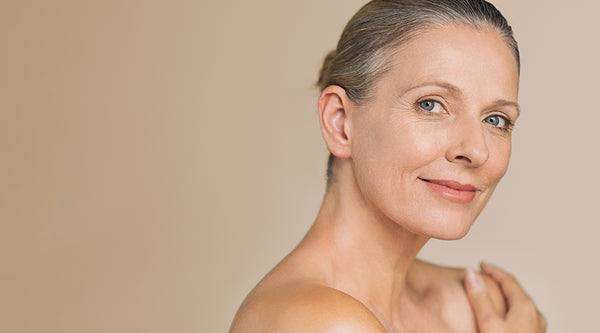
<point x="510" y="287"/>
<point x="479" y="298"/>
<point x="496" y="295"/>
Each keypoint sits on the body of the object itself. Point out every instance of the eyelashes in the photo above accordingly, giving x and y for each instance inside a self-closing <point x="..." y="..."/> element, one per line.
<point x="432" y="107"/>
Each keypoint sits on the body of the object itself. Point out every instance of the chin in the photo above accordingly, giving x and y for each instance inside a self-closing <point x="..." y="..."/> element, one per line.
<point x="448" y="227"/>
<point x="452" y="234"/>
<point x="454" y="223"/>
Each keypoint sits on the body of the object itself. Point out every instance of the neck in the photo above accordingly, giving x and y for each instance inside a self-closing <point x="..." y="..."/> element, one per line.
<point x="367" y="255"/>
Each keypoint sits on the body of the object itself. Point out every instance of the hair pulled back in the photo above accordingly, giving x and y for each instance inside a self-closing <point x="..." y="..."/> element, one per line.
<point x="361" y="55"/>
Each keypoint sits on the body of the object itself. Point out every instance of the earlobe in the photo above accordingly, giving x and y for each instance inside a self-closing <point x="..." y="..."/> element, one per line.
<point x="334" y="107"/>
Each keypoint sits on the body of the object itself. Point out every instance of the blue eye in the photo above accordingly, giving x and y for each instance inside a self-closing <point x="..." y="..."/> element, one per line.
<point x="496" y="121"/>
<point x="430" y="106"/>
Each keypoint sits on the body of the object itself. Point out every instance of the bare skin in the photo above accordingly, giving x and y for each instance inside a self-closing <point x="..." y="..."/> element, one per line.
<point x="441" y="112"/>
<point x="312" y="290"/>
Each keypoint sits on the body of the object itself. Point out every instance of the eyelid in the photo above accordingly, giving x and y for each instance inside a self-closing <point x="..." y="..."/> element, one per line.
<point x="435" y="98"/>
<point x="508" y="115"/>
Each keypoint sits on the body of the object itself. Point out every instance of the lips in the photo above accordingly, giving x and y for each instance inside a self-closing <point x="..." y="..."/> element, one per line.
<point x="451" y="184"/>
<point x="452" y="190"/>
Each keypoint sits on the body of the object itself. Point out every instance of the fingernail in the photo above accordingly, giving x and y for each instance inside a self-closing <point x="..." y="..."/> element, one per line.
<point x="473" y="279"/>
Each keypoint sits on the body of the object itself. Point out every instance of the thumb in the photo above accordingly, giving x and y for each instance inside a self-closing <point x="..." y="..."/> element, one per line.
<point x="480" y="299"/>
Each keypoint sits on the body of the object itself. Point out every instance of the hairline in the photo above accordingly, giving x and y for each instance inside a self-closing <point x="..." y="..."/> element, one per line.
<point x="386" y="53"/>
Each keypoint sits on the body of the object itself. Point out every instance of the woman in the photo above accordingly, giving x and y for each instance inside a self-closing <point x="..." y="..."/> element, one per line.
<point x="417" y="105"/>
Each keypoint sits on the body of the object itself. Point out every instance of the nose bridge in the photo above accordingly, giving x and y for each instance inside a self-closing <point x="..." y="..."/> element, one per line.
<point x="469" y="144"/>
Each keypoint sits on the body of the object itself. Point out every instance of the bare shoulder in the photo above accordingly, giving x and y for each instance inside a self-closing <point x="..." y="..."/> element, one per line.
<point x="453" y="278"/>
<point x="447" y="284"/>
<point x="304" y="307"/>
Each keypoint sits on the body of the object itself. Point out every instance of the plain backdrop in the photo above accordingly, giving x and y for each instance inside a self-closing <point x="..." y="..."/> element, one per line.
<point x="157" y="158"/>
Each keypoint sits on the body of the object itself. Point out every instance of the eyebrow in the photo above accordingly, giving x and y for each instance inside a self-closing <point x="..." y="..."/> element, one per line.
<point x="503" y="102"/>
<point x="441" y="84"/>
<point x="456" y="90"/>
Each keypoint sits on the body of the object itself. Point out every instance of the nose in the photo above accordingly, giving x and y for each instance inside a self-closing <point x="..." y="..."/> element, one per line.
<point x="468" y="145"/>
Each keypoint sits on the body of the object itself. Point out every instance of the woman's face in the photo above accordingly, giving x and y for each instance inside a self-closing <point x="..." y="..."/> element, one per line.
<point x="431" y="146"/>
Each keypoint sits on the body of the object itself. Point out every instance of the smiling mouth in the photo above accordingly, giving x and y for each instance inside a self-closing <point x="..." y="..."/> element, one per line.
<point x="451" y="184"/>
<point x="452" y="190"/>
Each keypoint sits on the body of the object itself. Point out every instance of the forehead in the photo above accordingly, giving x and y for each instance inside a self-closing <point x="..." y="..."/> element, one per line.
<point x="476" y="61"/>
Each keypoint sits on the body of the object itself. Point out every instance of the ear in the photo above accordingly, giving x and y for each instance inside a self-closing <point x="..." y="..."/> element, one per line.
<point x="334" y="110"/>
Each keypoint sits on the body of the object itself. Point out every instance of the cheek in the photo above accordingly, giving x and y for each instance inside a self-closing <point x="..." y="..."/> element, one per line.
<point x="416" y="138"/>
<point x="499" y="160"/>
<point x="398" y="146"/>
<point x="419" y="145"/>
<point x="387" y="156"/>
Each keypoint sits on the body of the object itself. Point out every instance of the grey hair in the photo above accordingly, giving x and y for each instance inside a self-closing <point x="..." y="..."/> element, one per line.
<point x="362" y="53"/>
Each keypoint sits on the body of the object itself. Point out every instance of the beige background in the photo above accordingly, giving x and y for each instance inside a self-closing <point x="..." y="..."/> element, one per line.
<point x="158" y="157"/>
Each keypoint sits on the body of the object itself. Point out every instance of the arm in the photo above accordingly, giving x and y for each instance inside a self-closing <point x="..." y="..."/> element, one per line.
<point x="521" y="315"/>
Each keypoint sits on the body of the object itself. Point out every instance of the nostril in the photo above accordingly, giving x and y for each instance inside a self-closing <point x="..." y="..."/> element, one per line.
<point x="463" y="158"/>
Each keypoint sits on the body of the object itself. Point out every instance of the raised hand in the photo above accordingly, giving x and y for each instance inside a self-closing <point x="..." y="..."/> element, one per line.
<point x="522" y="315"/>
